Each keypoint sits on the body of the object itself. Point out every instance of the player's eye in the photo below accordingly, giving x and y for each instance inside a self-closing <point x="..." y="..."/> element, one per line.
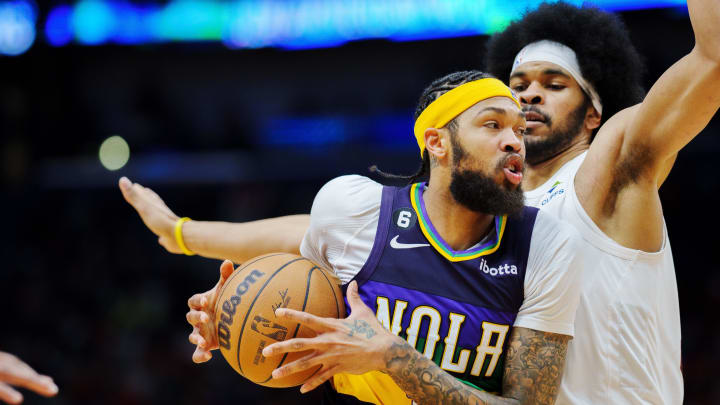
<point x="519" y="87"/>
<point x="492" y="124"/>
<point x="556" y="86"/>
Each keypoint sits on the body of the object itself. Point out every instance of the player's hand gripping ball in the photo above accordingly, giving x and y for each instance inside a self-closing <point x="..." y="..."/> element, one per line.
<point x="245" y="313"/>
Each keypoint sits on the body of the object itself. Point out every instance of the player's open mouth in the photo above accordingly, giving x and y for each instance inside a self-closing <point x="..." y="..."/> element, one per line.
<point x="513" y="169"/>
<point x="534" y="119"/>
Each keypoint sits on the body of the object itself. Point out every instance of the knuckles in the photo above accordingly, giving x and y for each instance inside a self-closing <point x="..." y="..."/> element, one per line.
<point x="303" y="365"/>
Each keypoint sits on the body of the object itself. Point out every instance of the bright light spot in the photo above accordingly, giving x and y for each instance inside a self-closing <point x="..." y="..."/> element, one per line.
<point x="58" y="28"/>
<point x="94" y="22"/>
<point x="114" y="153"/>
<point x="290" y="24"/>
<point x="17" y="27"/>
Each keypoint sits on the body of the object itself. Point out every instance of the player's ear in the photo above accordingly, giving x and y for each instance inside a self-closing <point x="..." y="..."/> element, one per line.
<point x="436" y="143"/>
<point x="592" y="118"/>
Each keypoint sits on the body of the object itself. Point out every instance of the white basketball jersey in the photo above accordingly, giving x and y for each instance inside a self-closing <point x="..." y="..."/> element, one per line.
<point x="626" y="348"/>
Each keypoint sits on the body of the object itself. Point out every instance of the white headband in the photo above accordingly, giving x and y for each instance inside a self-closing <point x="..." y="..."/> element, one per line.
<point x="561" y="55"/>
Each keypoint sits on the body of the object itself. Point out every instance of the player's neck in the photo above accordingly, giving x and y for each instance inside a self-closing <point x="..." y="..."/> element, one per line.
<point x="537" y="174"/>
<point x="460" y="227"/>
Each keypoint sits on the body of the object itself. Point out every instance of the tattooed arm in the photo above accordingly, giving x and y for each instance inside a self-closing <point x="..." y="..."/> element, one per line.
<point x="534" y="366"/>
<point x="359" y="344"/>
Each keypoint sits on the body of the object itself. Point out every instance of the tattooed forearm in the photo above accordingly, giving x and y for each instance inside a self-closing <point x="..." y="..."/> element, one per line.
<point x="426" y="383"/>
<point x="534" y="365"/>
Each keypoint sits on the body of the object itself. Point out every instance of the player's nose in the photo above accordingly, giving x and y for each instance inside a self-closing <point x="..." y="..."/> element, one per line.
<point x="533" y="94"/>
<point x="510" y="141"/>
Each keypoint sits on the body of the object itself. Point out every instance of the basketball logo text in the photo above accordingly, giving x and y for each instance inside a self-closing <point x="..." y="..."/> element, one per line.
<point x="268" y="328"/>
<point x="553" y="192"/>
<point x="229" y="308"/>
<point x="502" y="270"/>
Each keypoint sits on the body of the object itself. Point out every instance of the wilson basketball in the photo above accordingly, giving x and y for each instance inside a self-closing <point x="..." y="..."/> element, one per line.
<point x="245" y="313"/>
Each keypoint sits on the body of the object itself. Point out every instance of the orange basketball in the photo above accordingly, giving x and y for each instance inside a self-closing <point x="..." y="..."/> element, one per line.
<point x="245" y="313"/>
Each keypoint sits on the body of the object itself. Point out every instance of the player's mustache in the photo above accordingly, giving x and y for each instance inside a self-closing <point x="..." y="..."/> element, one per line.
<point x="516" y="157"/>
<point x="535" y="109"/>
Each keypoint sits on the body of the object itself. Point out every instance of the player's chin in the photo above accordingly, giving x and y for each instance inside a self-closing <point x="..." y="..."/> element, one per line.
<point x="536" y="133"/>
<point x="509" y="186"/>
<point x="503" y="183"/>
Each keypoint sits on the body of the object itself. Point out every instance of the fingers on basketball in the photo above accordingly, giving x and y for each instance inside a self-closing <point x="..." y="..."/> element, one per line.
<point x="195" y="302"/>
<point x="311" y="321"/>
<point x="317" y="380"/>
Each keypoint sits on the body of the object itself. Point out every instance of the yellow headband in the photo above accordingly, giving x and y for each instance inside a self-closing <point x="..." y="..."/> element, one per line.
<point x="454" y="102"/>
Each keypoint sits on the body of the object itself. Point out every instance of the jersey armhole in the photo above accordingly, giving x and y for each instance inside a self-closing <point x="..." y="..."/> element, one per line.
<point x="529" y="217"/>
<point x="386" y="204"/>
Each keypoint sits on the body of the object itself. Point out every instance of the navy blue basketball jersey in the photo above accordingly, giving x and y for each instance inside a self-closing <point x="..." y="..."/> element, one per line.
<point x="455" y="307"/>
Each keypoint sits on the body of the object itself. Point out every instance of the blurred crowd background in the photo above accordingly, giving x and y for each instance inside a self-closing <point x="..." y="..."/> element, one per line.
<point x="233" y="116"/>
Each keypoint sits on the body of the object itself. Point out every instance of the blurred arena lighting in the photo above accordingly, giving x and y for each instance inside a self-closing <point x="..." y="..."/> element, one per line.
<point x="94" y="22"/>
<point x="389" y="130"/>
<point x="17" y="26"/>
<point x="114" y="153"/>
<point x="58" y="30"/>
<point x="292" y="24"/>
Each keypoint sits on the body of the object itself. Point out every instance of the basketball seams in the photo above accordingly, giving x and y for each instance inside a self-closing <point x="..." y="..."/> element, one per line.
<point x="260" y="297"/>
<point x="297" y="327"/>
<point x="249" y="309"/>
<point x="337" y="310"/>
<point x="239" y="270"/>
<point x="337" y="304"/>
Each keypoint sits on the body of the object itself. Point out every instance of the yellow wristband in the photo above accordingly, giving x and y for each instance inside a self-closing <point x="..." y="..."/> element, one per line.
<point x="179" y="237"/>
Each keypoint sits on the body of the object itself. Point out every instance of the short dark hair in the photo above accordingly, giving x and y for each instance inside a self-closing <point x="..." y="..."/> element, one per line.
<point x="436" y="89"/>
<point x="607" y="57"/>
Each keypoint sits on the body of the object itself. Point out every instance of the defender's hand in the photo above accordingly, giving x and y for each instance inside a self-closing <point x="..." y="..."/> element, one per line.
<point x="153" y="211"/>
<point x="202" y="317"/>
<point x="353" y="345"/>
<point x="14" y="371"/>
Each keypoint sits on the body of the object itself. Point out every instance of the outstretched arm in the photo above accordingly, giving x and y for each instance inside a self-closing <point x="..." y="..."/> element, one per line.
<point x="359" y="344"/>
<point x="241" y="241"/>
<point x="219" y="240"/>
<point x="633" y="152"/>
<point x="683" y="100"/>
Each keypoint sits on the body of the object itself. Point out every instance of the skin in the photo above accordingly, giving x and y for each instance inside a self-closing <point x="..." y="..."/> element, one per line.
<point x="359" y="344"/>
<point x="642" y="141"/>
<point x="552" y="90"/>
<point x="14" y="372"/>
<point x="492" y="129"/>
<point x="218" y="240"/>
<point x="621" y="198"/>
<point x="491" y="134"/>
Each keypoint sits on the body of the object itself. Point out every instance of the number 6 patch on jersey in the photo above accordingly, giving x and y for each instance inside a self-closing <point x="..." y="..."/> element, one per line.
<point x="404" y="218"/>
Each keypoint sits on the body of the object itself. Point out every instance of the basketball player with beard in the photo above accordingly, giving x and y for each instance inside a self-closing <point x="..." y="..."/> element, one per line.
<point x="463" y="280"/>
<point x="472" y="293"/>
<point x="597" y="161"/>
<point x="598" y="151"/>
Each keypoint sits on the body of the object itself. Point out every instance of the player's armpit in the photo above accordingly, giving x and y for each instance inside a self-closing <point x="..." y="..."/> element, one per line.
<point x="665" y="170"/>
<point x="534" y="365"/>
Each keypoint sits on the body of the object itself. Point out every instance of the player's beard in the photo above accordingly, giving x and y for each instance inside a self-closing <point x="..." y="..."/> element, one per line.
<point x="558" y="140"/>
<point x="479" y="192"/>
